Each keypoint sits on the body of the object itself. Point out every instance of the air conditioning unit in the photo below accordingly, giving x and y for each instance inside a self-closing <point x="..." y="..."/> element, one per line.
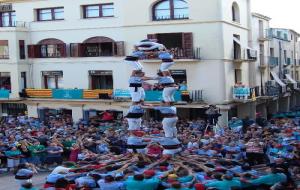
<point x="251" y="54"/>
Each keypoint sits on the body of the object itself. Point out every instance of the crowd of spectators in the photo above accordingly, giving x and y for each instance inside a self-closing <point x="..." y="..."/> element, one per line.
<point x="93" y="155"/>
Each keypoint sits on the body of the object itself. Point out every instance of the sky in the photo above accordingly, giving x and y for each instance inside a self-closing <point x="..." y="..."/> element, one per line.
<point x="284" y="13"/>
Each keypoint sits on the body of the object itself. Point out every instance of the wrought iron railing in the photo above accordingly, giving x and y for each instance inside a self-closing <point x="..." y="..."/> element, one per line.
<point x="18" y="24"/>
<point x="179" y="53"/>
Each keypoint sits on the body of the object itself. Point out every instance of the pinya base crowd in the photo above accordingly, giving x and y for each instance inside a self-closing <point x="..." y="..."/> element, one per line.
<point x="94" y="155"/>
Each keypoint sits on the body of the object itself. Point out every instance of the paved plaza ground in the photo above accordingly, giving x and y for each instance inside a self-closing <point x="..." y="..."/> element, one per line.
<point x="7" y="182"/>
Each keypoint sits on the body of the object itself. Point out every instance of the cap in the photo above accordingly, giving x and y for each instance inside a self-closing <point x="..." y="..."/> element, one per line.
<point x="172" y="176"/>
<point x="149" y="173"/>
<point x="163" y="168"/>
<point x="139" y="133"/>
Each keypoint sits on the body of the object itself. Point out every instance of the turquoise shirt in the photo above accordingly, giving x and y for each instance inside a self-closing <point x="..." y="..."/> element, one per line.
<point x="224" y="185"/>
<point x="186" y="179"/>
<point x="183" y="188"/>
<point x="12" y="153"/>
<point x="32" y="188"/>
<point x="269" y="179"/>
<point x="146" y="184"/>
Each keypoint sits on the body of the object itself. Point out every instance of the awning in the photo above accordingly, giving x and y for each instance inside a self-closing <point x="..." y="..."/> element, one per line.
<point x="237" y="40"/>
<point x="277" y="79"/>
<point x="289" y="77"/>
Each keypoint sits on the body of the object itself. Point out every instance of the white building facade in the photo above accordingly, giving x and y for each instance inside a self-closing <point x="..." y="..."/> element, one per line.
<point x="80" y="45"/>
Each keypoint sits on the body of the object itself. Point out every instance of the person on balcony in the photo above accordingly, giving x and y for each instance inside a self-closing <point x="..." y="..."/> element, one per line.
<point x="183" y="86"/>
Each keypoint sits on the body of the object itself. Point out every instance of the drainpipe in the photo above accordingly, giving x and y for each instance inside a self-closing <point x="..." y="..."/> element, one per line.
<point x="249" y="16"/>
<point x="280" y="61"/>
<point x="251" y="66"/>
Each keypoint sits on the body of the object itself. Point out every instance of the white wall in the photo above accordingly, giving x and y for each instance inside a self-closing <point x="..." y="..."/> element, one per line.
<point x="210" y="22"/>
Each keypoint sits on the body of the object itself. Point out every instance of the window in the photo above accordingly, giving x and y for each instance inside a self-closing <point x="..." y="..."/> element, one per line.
<point x="7" y="19"/>
<point x="180" y="44"/>
<point x="101" y="79"/>
<point x="262" y="54"/>
<point x="278" y="34"/>
<point x="235" y="12"/>
<point x="180" y="78"/>
<point x="4" y="51"/>
<point x="171" y="10"/>
<point x="53" y="79"/>
<point x="96" y="11"/>
<point x="285" y="55"/>
<point x="261" y="28"/>
<point x="237" y="51"/>
<point x="22" y="49"/>
<point x="50" y="51"/>
<point x="50" y="14"/>
<point x="271" y="52"/>
<point x="23" y="81"/>
<point x="47" y="48"/>
<point x="5" y="82"/>
<point x="297" y="75"/>
<point x="238" y="76"/>
<point x="97" y="47"/>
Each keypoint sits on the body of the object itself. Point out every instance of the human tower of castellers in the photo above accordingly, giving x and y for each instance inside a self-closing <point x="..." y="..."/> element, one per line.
<point x="169" y="142"/>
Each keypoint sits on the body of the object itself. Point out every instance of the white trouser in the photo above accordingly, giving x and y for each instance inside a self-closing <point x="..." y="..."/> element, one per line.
<point x="168" y="94"/>
<point x="134" y="123"/>
<point x="171" y="151"/>
<point x="136" y="65"/>
<point x="169" y="126"/>
<point x="137" y="96"/>
<point x="141" y="151"/>
<point x="165" y="66"/>
<point x="11" y="163"/>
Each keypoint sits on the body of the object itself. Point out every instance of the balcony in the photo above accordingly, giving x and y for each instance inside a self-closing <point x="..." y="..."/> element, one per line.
<point x="273" y="61"/>
<point x="47" y="51"/>
<point x="178" y="53"/>
<point x="166" y="18"/>
<point x="69" y="93"/>
<point x="244" y="55"/>
<point x="4" y="94"/>
<point x="156" y="96"/>
<point x="4" y="56"/>
<point x="265" y="35"/>
<point x="239" y="56"/>
<point x="244" y="94"/>
<point x="263" y="62"/>
<point x="280" y="34"/>
<point x="106" y="49"/>
<point x="273" y="89"/>
<point x="108" y="94"/>
<point x="17" y="24"/>
<point x="288" y="62"/>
